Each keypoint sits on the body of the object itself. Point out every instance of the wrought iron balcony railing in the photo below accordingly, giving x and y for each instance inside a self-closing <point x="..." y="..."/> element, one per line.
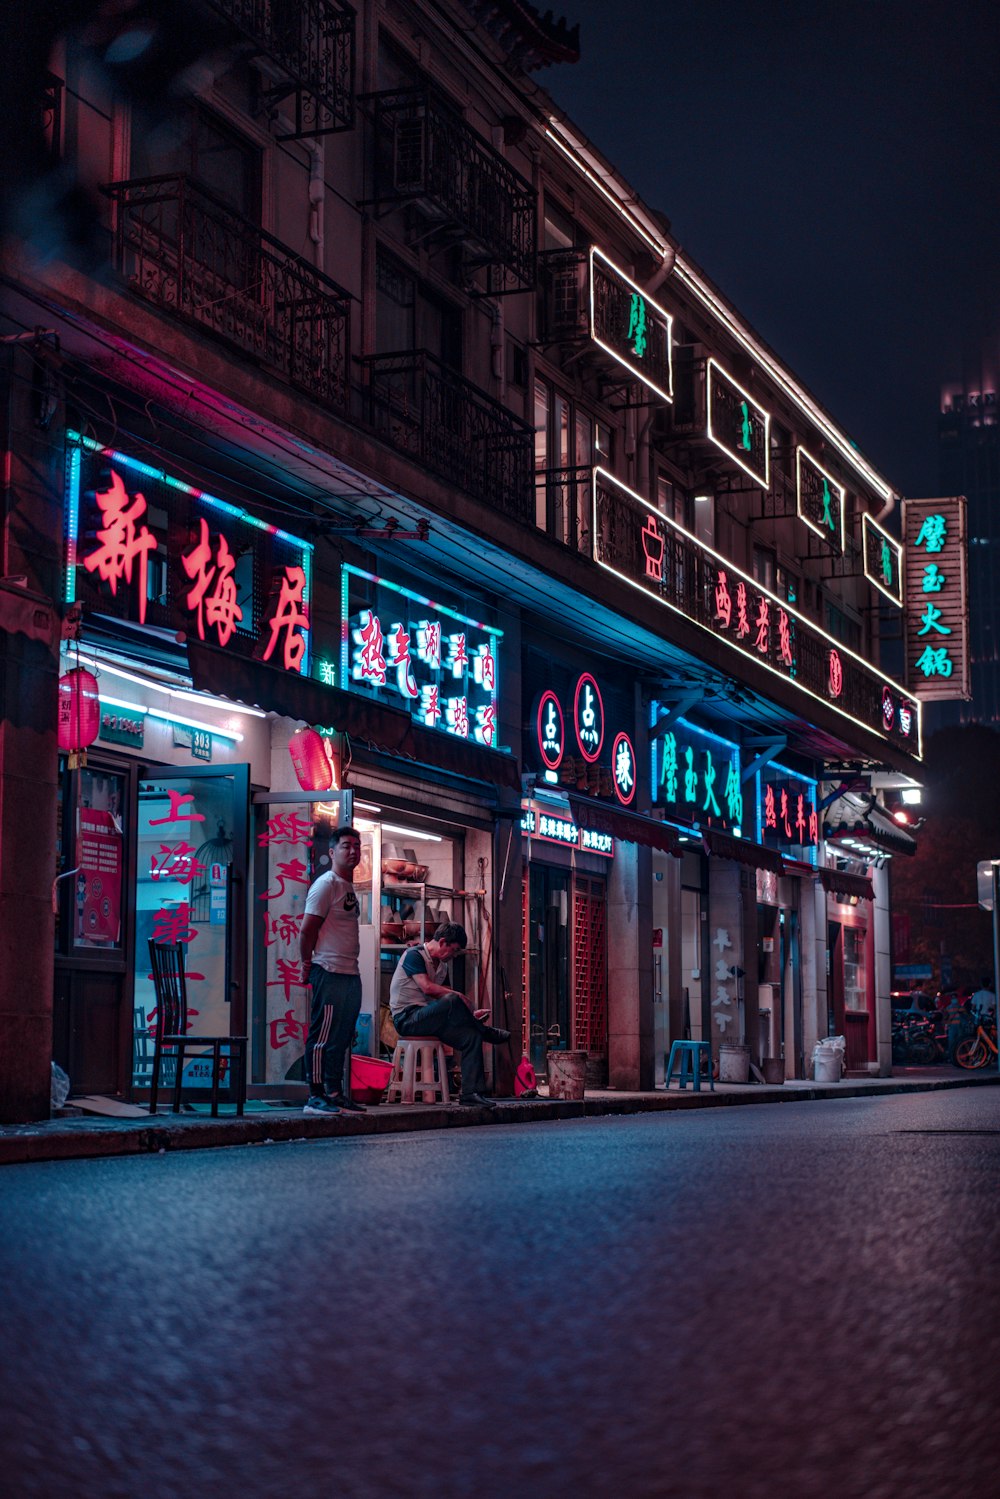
<point x="445" y="422"/>
<point x="564" y="505"/>
<point x="310" y="46"/>
<point x="427" y="155"/>
<point x="194" y="257"/>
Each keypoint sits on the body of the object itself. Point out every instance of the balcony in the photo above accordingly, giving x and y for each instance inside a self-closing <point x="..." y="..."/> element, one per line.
<point x="427" y="156"/>
<point x="308" y="46"/>
<point x="593" y="310"/>
<point x="443" y="421"/>
<point x="564" y="505"/>
<point x="195" y="258"/>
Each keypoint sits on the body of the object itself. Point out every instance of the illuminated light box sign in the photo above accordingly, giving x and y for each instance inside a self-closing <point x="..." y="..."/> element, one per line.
<point x="550" y="730"/>
<point x="697" y="776"/>
<point x="413" y="652"/>
<point x="738" y="425"/>
<point x="630" y="326"/>
<point x="549" y="827"/>
<point x="575" y="746"/>
<point x="788" y="817"/>
<point x="883" y="560"/>
<point x="936" y="596"/>
<point x="638" y="544"/>
<point x="149" y="548"/>
<point x="820" y="500"/>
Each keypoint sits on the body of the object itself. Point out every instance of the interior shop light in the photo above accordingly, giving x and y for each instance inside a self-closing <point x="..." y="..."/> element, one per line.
<point x="392" y="827"/>
<point x="366" y="807"/>
<point x="99" y="665"/>
<point x="195" y="723"/>
<point x="119" y="702"/>
<point x="204" y="697"/>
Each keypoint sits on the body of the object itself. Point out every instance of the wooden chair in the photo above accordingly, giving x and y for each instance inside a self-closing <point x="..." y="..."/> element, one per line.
<point x="167" y="959"/>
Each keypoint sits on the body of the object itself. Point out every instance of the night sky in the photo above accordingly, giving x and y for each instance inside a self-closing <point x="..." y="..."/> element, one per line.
<point x="833" y="167"/>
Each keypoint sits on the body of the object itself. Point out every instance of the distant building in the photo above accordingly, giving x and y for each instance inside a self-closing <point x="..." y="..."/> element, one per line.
<point x="970" y="465"/>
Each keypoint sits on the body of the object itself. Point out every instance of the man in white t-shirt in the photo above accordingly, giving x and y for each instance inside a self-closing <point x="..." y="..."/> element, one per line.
<point x="329" y="945"/>
<point x="984" y="1001"/>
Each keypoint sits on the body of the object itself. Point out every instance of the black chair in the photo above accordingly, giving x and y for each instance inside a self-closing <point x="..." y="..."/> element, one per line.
<point x="167" y="959"/>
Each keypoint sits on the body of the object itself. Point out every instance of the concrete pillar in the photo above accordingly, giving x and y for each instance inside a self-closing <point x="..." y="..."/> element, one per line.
<point x="630" y="968"/>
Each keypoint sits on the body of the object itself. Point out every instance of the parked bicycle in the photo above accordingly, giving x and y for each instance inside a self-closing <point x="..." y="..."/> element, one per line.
<point x="976" y="1051"/>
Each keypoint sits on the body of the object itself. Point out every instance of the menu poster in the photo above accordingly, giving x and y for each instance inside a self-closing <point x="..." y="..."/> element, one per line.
<point x="98" y="879"/>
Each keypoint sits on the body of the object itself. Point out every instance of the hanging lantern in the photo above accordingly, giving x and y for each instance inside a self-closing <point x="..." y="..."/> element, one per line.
<point x="312" y="756"/>
<point x="79" y="714"/>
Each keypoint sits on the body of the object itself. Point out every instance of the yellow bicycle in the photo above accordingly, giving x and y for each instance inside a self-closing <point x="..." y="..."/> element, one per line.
<point x="975" y="1051"/>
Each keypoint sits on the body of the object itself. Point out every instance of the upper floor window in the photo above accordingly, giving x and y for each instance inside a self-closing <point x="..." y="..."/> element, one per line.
<point x="763" y="565"/>
<point x="842" y="627"/>
<point x="408" y="315"/>
<point x="569" y="442"/>
<point x="558" y="229"/>
<point x="207" y="150"/>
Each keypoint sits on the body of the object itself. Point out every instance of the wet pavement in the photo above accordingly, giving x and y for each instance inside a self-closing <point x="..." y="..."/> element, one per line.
<point x="707" y="1303"/>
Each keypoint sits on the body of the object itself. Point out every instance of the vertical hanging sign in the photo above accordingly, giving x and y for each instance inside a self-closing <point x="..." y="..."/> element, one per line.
<point x="936" y="598"/>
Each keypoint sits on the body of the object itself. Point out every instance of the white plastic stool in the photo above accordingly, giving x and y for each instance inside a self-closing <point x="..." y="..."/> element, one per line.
<point x="413" y="1064"/>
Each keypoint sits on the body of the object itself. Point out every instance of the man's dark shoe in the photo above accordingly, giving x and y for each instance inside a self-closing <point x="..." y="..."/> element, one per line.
<point x="496" y="1034"/>
<point x="320" y="1106"/>
<point x="341" y="1101"/>
<point x="476" y="1101"/>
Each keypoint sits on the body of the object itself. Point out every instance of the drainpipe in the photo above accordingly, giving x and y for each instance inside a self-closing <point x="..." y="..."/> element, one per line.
<point x="317" y="193"/>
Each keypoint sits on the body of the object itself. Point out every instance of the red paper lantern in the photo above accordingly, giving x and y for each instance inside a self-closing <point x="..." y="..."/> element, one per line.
<point x="313" y="760"/>
<point x="79" y="710"/>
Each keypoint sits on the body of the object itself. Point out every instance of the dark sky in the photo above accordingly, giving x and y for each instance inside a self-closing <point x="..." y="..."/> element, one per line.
<point x="834" y="167"/>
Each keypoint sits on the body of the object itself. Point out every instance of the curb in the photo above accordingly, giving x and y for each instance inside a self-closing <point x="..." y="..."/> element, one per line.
<point x="54" y="1141"/>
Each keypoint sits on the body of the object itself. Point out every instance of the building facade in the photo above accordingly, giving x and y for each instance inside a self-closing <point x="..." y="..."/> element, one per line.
<point x="376" y="450"/>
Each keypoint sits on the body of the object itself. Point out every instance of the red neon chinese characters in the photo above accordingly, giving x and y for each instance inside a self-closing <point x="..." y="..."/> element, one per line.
<point x="120" y="542"/>
<point x="763" y="622"/>
<point x="487" y="724"/>
<point x="458" y="656"/>
<point x="457" y="716"/>
<point x="836" y="674"/>
<point x="399" y="659"/>
<point x="370" y="659"/>
<point x="770" y="812"/>
<point x="784" y="815"/>
<point x="800" y="818"/>
<point x="177" y="800"/>
<point x="652" y="546"/>
<point x="484" y="667"/>
<point x="723" y="601"/>
<point x="290" y="617"/>
<point x="813" y="826"/>
<point x="429" y="641"/>
<point x="784" y="638"/>
<point x="430" y="705"/>
<point x="742" y="613"/>
<point x="219" y="608"/>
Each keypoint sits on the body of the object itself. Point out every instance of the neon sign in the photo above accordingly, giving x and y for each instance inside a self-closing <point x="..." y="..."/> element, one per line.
<point x="788" y="816"/>
<point x="696" y="775"/>
<point x="539" y="824"/>
<point x="820" y="500"/>
<point x="738" y="425"/>
<point x="630" y="326"/>
<point x="144" y="546"/>
<point x="883" y="560"/>
<point x="396" y="644"/>
<point x="623" y="769"/>
<point x="549" y="730"/>
<point x="733" y="607"/>
<point x="588" y="717"/>
<point x="937" y="619"/>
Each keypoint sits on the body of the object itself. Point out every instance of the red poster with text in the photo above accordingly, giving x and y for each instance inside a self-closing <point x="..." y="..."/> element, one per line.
<point x="98" y="878"/>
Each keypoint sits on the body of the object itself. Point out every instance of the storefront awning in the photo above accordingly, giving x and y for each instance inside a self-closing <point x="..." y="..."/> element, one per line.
<point x="630" y="827"/>
<point x="375" y="724"/>
<point x="838" y="882"/>
<point x="725" y="847"/>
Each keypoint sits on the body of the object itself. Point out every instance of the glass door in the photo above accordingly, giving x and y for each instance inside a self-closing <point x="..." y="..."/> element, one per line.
<point x="190" y="887"/>
<point x="548" y="961"/>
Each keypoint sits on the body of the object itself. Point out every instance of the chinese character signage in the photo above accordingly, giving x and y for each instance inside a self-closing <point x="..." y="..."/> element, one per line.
<point x="936" y="592"/>
<point x="144" y="546"/>
<point x="788" y="815"/>
<point x="588" y="718"/>
<point x="549" y="730"/>
<point x="539" y="823"/>
<point x="637" y="543"/>
<point x="883" y="559"/>
<point x="820" y="500"/>
<point x="696" y="776"/>
<point x="630" y="326"/>
<point x="737" y="425"/>
<point x="418" y="654"/>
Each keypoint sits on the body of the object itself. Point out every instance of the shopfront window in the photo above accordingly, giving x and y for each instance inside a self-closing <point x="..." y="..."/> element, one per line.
<point x="855" y="986"/>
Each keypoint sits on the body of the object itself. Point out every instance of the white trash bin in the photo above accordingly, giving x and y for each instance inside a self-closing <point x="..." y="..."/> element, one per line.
<point x="828" y="1060"/>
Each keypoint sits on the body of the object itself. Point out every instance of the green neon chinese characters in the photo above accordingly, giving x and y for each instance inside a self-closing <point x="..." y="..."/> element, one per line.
<point x="746" y="433"/>
<point x="637" y="325"/>
<point x="932" y="533"/>
<point x="934" y="660"/>
<point x="886" y="564"/>
<point x="828" y="519"/>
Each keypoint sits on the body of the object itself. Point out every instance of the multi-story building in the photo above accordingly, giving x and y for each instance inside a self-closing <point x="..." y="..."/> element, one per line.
<point x="373" y="436"/>
<point x="970" y="466"/>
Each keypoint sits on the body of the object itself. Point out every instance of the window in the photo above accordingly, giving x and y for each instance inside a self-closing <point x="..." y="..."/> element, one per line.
<point x="842" y="627"/>
<point x="558" y="229"/>
<point x="568" y="443"/>
<point x="855" y="988"/>
<point x="764" y="566"/>
<point x="210" y="153"/>
<point x="409" y="316"/>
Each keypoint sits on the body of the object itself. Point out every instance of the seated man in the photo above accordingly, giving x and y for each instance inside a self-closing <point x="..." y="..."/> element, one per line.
<point x="421" y="1005"/>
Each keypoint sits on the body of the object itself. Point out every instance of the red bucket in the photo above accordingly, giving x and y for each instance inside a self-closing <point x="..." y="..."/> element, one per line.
<point x="369" y="1078"/>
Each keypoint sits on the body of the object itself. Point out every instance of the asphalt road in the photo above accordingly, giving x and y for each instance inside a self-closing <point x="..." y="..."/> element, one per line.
<point x="750" y="1303"/>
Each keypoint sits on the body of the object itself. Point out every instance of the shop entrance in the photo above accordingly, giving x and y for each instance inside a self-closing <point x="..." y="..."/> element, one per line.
<point x="190" y="887"/>
<point x="548" y="961"/>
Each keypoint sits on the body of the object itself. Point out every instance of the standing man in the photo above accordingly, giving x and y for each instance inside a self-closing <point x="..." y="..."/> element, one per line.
<point x="422" y="1005"/>
<point x="330" y="942"/>
<point x="984" y="1001"/>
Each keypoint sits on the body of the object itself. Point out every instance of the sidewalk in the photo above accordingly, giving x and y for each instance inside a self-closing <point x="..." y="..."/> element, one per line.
<point x="73" y="1135"/>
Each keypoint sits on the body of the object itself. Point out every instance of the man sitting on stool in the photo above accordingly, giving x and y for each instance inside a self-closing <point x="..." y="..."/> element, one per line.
<point x="421" y="1005"/>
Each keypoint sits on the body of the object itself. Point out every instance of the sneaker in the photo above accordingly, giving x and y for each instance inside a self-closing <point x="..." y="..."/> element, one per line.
<point x="341" y="1101"/>
<point x="476" y="1101"/>
<point x="496" y="1034"/>
<point x="320" y="1106"/>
